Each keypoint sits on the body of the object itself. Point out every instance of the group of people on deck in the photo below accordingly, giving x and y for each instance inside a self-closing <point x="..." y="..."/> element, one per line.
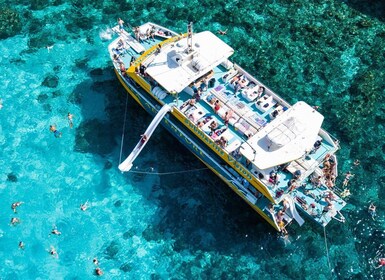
<point x="329" y="167"/>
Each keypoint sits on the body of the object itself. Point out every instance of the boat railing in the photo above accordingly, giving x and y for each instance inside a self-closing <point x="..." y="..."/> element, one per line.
<point x="153" y="49"/>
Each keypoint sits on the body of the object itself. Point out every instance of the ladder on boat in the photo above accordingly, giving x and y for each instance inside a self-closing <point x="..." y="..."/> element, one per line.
<point x="127" y="163"/>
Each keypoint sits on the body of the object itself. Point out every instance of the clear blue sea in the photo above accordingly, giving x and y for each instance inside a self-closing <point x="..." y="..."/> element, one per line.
<point x="180" y="225"/>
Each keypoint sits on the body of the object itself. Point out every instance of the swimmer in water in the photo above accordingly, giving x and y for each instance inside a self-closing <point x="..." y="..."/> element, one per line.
<point x="98" y="271"/>
<point x="55" y="231"/>
<point x="15" y="221"/>
<point x="84" y="206"/>
<point x="345" y="193"/>
<point x="56" y="132"/>
<point x="21" y="245"/>
<point x="53" y="252"/>
<point x="372" y="210"/>
<point x="222" y="32"/>
<point x="70" y="122"/>
<point x="95" y="261"/>
<point x="381" y="263"/>
<point x="15" y="205"/>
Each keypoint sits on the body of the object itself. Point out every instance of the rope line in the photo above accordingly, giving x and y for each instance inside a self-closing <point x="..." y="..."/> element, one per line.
<point x="124" y="129"/>
<point x="327" y="253"/>
<point x="167" y="173"/>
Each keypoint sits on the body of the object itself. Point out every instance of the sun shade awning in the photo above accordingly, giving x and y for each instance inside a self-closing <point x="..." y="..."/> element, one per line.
<point x="174" y="68"/>
<point x="286" y="138"/>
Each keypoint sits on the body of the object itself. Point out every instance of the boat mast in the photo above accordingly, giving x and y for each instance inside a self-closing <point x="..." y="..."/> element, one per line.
<point x="189" y="37"/>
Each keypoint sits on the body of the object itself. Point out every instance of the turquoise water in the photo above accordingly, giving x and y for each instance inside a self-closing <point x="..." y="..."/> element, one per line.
<point x="183" y="225"/>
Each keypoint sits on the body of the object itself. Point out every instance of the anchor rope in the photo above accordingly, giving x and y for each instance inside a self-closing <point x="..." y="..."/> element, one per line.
<point x="168" y="173"/>
<point x="124" y="129"/>
<point x="327" y="253"/>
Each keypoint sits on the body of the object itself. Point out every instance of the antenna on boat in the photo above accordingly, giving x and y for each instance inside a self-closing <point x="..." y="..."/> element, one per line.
<point x="189" y="37"/>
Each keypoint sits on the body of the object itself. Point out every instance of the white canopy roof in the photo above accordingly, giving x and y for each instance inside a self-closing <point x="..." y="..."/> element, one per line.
<point x="174" y="68"/>
<point x="286" y="138"/>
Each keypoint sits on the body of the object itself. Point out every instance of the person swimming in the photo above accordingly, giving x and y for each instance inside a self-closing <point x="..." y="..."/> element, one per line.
<point x="21" y="245"/>
<point x="70" y="117"/>
<point x="15" y="221"/>
<point x="84" y="206"/>
<point x="98" y="271"/>
<point x="381" y="263"/>
<point x="53" y="252"/>
<point x="15" y="205"/>
<point x="372" y="210"/>
<point x="56" y="132"/>
<point x="55" y="231"/>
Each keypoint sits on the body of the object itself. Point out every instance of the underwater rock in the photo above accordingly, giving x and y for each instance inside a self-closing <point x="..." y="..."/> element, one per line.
<point x="118" y="203"/>
<point x="126" y="267"/>
<point x="42" y="98"/>
<point x="81" y="63"/>
<point x="56" y="93"/>
<point x="96" y="72"/>
<point x="128" y="234"/>
<point x="51" y="81"/>
<point x="112" y="250"/>
<point x="107" y="165"/>
<point x="40" y="40"/>
<point x="94" y="136"/>
<point x="39" y="4"/>
<point x="47" y="108"/>
<point x="11" y="177"/>
<point x="10" y="24"/>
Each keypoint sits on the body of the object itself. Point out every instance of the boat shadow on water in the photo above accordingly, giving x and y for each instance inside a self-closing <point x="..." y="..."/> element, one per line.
<point x="195" y="207"/>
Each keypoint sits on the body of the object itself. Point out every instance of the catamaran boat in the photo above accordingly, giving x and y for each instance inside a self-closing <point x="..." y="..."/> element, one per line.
<point x="274" y="155"/>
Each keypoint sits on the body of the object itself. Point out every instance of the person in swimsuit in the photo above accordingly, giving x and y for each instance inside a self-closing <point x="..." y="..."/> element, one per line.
<point x="15" y="221"/>
<point x="15" y="205"/>
<point x="84" y="206"/>
<point x="55" y="231"/>
<point x="381" y="263"/>
<point x="53" y="252"/>
<point x="56" y="132"/>
<point x="70" y="117"/>
<point x="372" y="210"/>
<point x="98" y="271"/>
<point x="121" y="24"/>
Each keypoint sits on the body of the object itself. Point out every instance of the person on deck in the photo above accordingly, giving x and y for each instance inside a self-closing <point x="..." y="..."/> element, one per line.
<point x="217" y="106"/>
<point x="121" y="24"/>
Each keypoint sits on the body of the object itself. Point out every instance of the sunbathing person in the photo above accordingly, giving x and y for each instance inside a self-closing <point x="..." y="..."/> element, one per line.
<point x="213" y="126"/>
